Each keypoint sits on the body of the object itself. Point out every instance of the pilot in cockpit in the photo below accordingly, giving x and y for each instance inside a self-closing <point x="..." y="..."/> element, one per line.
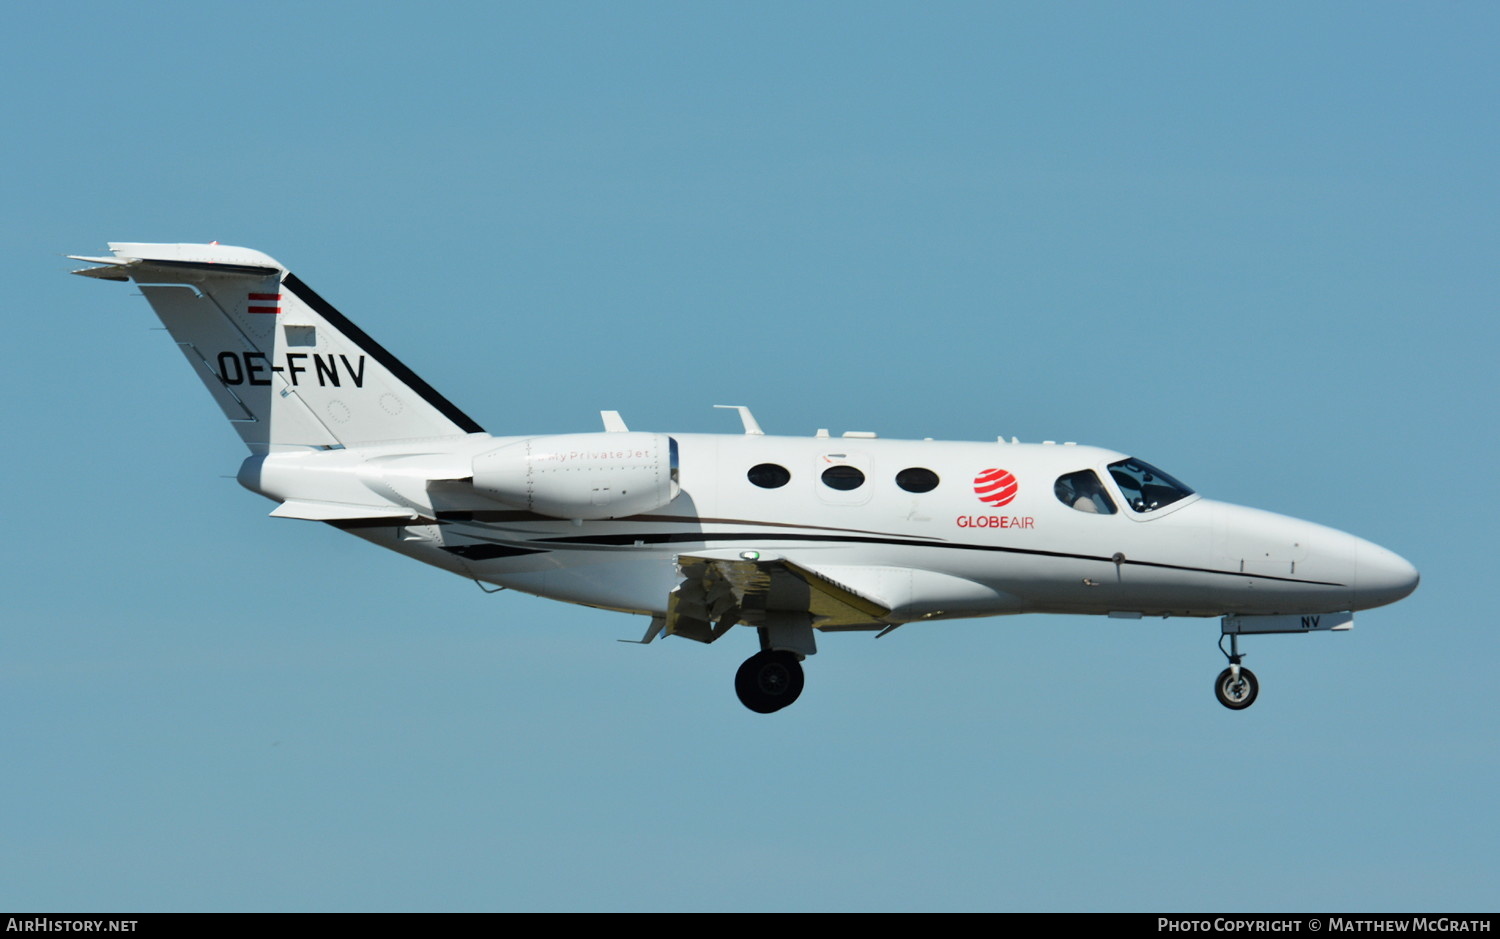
<point x="1083" y="492"/>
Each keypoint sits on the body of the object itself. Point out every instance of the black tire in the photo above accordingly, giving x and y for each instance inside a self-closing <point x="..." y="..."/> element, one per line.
<point x="769" y="681"/>
<point x="1236" y="695"/>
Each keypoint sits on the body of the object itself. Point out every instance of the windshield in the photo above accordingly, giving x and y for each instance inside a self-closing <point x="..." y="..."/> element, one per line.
<point x="1145" y="487"/>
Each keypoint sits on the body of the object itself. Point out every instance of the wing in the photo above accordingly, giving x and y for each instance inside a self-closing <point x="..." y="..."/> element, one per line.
<point x="715" y="594"/>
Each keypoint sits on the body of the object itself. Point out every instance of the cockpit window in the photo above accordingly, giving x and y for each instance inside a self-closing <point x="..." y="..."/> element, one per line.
<point x="1145" y="487"/>
<point x="1084" y="491"/>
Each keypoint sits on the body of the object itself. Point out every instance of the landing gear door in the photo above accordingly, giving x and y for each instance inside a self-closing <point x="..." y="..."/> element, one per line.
<point x="1245" y="625"/>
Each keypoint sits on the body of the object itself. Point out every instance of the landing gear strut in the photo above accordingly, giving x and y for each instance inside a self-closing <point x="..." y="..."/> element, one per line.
<point x="1236" y="686"/>
<point x="769" y="680"/>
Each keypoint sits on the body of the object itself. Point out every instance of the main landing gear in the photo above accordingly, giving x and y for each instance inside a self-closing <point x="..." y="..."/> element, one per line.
<point x="769" y="680"/>
<point x="1236" y="686"/>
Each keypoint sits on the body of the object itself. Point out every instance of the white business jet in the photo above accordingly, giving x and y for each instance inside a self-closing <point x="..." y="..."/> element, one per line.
<point x="792" y="536"/>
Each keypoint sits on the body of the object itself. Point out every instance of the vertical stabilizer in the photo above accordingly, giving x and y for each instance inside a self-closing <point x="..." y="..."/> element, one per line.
<point x="287" y="369"/>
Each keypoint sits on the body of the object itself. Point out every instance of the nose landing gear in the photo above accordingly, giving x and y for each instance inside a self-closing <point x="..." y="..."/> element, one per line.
<point x="1236" y="686"/>
<point x="1236" y="692"/>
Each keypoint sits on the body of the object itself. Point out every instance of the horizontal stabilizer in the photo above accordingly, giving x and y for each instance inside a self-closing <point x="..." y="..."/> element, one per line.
<point x="113" y="269"/>
<point x="186" y="261"/>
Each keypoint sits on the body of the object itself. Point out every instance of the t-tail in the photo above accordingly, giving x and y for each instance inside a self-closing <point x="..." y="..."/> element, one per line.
<point x="288" y="370"/>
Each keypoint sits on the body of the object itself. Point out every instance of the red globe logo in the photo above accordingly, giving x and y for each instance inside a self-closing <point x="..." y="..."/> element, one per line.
<point x="996" y="487"/>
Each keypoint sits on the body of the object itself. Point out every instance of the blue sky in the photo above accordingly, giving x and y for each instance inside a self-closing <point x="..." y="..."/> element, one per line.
<point x="1253" y="244"/>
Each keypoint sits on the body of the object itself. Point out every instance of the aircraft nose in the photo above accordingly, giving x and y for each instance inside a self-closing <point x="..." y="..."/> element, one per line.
<point x="1381" y="576"/>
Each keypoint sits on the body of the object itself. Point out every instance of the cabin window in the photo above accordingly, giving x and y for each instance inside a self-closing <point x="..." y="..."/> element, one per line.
<point x="917" y="479"/>
<point x="843" y="477"/>
<point x="1084" y="491"/>
<point x="1145" y="487"/>
<point x="769" y="475"/>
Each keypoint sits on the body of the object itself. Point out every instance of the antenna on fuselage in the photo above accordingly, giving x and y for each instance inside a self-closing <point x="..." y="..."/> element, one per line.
<point x="613" y="422"/>
<point x="746" y="418"/>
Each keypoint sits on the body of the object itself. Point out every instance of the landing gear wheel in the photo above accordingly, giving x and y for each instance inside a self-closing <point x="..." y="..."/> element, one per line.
<point x="1236" y="695"/>
<point x="769" y="681"/>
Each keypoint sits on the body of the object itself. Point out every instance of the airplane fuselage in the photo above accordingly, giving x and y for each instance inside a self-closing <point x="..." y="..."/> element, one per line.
<point x="790" y="536"/>
<point x="945" y="552"/>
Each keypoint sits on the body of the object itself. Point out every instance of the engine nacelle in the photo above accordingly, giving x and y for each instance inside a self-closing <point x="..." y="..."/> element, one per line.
<point x="590" y="476"/>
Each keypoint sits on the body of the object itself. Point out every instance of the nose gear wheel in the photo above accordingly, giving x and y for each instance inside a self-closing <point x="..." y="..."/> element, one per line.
<point x="1236" y="693"/>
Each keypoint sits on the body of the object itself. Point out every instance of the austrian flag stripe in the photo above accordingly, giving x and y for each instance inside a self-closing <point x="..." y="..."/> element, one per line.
<point x="263" y="298"/>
